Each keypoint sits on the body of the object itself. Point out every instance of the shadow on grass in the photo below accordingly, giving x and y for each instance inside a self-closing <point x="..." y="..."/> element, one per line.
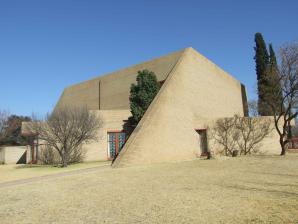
<point x="274" y="184"/>
<point x="257" y="189"/>
<point x="27" y="166"/>
<point x="274" y="174"/>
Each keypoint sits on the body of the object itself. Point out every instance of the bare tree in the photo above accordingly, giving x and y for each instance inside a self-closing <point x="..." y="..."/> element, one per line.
<point x="225" y="133"/>
<point x="252" y="130"/>
<point x="243" y="134"/>
<point x="253" y="108"/>
<point x="295" y="131"/>
<point x="3" y="123"/>
<point x="66" y="129"/>
<point x="285" y="84"/>
<point x="48" y="156"/>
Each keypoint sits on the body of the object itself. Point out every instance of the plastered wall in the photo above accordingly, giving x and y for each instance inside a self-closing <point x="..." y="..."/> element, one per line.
<point x="112" y="120"/>
<point x="11" y="154"/>
<point x="111" y="91"/>
<point x="195" y="88"/>
<point x="269" y="145"/>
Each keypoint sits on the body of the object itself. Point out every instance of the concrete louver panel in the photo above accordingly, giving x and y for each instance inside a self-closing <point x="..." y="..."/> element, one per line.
<point x="195" y="87"/>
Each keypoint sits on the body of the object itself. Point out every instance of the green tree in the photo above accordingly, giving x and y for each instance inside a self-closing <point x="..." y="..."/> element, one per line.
<point x="262" y="61"/>
<point x="272" y="58"/>
<point x="12" y="131"/>
<point x="272" y="74"/>
<point x="285" y="85"/>
<point x="142" y="94"/>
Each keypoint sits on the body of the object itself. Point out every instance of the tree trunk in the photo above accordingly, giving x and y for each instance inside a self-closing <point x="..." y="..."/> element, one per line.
<point x="226" y="151"/>
<point x="64" y="160"/>
<point x="289" y="130"/>
<point x="283" y="146"/>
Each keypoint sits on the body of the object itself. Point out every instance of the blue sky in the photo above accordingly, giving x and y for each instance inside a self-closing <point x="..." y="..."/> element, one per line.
<point x="48" y="45"/>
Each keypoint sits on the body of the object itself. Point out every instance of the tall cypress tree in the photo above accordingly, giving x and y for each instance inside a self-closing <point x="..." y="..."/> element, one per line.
<point x="273" y="73"/>
<point x="272" y="58"/>
<point x="262" y="60"/>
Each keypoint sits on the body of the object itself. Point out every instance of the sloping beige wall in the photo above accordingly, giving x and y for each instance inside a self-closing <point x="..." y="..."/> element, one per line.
<point x="195" y="87"/>
<point x="112" y="90"/>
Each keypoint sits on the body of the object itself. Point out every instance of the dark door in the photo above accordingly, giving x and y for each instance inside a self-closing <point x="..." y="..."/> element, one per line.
<point x="203" y="141"/>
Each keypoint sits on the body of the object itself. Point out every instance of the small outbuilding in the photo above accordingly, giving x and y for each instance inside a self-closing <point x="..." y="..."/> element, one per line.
<point x="13" y="154"/>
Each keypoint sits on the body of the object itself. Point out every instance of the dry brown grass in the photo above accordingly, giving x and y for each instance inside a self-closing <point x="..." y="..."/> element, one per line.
<point x="238" y="190"/>
<point x="13" y="172"/>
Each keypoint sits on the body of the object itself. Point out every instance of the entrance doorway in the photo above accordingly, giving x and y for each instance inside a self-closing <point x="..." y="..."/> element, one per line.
<point x="116" y="140"/>
<point x="33" y="152"/>
<point x="203" y="141"/>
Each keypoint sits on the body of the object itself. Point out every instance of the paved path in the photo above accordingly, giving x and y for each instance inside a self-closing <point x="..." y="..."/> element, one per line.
<point x="52" y="176"/>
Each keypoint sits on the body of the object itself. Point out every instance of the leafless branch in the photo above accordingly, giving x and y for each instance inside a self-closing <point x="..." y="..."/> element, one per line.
<point x="3" y="123"/>
<point x="66" y="129"/>
<point x="243" y="134"/>
<point x="285" y="84"/>
<point x="224" y="133"/>
<point x="252" y="130"/>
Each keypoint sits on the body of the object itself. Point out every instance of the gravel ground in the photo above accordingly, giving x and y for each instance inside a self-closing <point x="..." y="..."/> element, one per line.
<point x="260" y="189"/>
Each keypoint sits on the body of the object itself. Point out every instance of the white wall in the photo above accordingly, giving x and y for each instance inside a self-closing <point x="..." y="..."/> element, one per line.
<point x="12" y="154"/>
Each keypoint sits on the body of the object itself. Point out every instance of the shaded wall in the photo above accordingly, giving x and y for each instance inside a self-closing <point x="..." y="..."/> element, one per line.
<point x="112" y="90"/>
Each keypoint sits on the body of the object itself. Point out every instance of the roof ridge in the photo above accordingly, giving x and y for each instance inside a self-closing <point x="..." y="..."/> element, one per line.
<point x="130" y="67"/>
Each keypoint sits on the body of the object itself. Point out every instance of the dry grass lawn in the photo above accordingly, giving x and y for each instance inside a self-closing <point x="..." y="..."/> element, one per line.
<point x="237" y="190"/>
<point x="13" y="172"/>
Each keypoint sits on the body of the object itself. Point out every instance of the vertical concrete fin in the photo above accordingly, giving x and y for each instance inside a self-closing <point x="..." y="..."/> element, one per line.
<point x="99" y="95"/>
<point x="244" y="100"/>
